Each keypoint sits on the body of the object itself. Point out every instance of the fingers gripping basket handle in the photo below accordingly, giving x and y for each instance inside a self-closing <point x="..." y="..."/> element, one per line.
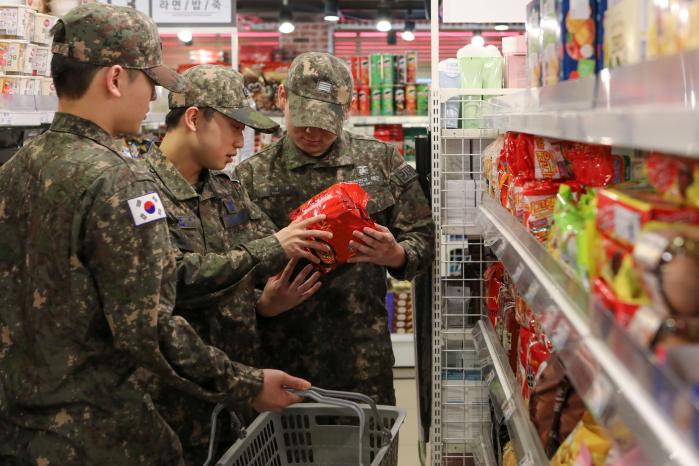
<point x="236" y="427"/>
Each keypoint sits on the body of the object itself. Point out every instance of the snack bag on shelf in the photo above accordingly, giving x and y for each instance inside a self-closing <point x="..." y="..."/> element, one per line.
<point x="567" y="225"/>
<point x="587" y="445"/>
<point x="491" y="155"/>
<point x="672" y="27"/>
<point x="525" y="339"/>
<point x="509" y="458"/>
<point x="676" y="179"/>
<point x="538" y="199"/>
<point x="598" y="166"/>
<point x="344" y="205"/>
<point x="554" y="406"/>
<point x="617" y="268"/>
<point x="622" y="213"/>
<point x="667" y="257"/>
<point x="625" y="33"/>
<point x="494" y="278"/>
<point x="579" y="38"/>
<point x="588" y="239"/>
<point x="537" y="354"/>
<point x="523" y="311"/>
<point x="624" y="312"/>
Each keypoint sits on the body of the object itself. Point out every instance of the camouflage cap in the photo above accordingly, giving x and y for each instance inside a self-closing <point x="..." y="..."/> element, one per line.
<point x="319" y="89"/>
<point x="222" y="89"/>
<point x="106" y="35"/>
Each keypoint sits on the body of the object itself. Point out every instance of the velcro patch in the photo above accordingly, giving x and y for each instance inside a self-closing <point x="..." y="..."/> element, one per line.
<point x="147" y="208"/>
<point x="405" y="174"/>
<point x="236" y="219"/>
<point x="270" y="191"/>
<point x="324" y="86"/>
<point x="186" y="223"/>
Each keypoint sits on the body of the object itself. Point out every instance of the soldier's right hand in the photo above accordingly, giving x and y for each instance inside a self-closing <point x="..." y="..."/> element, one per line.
<point x="274" y="396"/>
<point x="296" y="239"/>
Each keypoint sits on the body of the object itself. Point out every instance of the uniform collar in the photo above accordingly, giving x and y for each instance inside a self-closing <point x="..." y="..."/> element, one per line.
<point x="339" y="154"/>
<point x="170" y="176"/>
<point x="67" y="123"/>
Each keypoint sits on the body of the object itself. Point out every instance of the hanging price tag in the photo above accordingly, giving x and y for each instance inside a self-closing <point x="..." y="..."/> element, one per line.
<point x="526" y="460"/>
<point x="508" y="409"/>
<point x="517" y="274"/>
<point x="531" y="293"/>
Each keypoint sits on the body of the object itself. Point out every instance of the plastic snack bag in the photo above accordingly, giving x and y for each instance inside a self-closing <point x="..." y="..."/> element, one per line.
<point x="677" y="179"/>
<point x="344" y="205"/>
<point x="587" y="445"/>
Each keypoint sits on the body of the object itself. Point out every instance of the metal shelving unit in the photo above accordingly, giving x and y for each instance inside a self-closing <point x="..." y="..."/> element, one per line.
<point x="651" y="106"/>
<point x="507" y="399"/>
<point x="621" y="383"/>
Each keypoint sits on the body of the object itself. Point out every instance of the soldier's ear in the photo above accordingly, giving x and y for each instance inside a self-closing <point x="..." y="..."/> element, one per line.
<point x="281" y="97"/>
<point x="191" y="118"/>
<point x="113" y="78"/>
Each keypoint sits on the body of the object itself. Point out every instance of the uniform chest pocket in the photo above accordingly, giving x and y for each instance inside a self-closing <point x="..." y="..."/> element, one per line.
<point x="235" y="219"/>
<point x="380" y="200"/>
<point x="184" y="240"/>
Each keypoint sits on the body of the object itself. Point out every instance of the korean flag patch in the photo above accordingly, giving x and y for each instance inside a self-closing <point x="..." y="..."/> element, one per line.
<point x="146" y="209"/>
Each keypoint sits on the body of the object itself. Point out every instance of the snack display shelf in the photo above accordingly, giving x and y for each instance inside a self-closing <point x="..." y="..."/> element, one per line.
<point x="506" y="397"/>
<point x="27" y="110"/>
<point x="446" y="93"/>
<point x="621" y="383"/>
<point x="403" y="349"/>
<point x="466" y="133"/>
<point x="650" y="105"/>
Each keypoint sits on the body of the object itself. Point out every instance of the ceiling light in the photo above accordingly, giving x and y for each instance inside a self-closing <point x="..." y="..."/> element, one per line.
<point x="286" y="26"/>
<point x="478" y="41"/>
<point x="185" y="36"/>
<point x="383" y="23"/>
<point x="408" y="34"/>
<point x="502" y="27"/>
<point x="331" y="13"/>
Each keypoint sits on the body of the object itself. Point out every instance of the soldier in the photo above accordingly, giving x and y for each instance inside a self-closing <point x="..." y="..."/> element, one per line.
<point x="87" y="274"/>
<point x="339" y="338"/>
<point x="226" y="244"/>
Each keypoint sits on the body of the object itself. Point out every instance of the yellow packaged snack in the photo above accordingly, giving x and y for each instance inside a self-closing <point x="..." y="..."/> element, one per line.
<point x="587" y="445"/>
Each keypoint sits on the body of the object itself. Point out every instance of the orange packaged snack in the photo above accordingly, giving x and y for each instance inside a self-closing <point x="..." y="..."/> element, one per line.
<point x="344" y="205"/>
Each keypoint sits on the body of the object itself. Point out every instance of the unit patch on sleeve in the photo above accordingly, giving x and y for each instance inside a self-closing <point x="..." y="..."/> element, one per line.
<point x="147" y="208"/>
<point x="405" y="174"/>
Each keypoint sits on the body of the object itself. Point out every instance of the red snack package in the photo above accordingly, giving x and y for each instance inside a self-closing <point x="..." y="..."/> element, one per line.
<point x="493" y="277"/>
<point x="535" y="206"/>
<point x="675" y="178"/>
<point x="344" y="205"/>
<point x="525" y="339"/>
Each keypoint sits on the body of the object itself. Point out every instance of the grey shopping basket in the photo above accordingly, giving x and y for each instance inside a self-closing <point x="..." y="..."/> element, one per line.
<point x="332" y="432"/>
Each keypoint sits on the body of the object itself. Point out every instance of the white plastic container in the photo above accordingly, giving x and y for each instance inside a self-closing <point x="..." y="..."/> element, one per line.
<point x="42" y="28"/>
<point x="450" y="78"/>
<point x="12" y="56"/>
<point x="515" y="50"/>
<point x="29" y="54"/>
<point x="47" y="87"/>
<point x="16" y="22"/>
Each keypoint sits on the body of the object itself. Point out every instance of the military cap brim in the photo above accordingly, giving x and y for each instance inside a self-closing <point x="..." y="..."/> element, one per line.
<point x="249" y="117"/>
<point x="314" y="113"/>
<point x="168" y="78"/>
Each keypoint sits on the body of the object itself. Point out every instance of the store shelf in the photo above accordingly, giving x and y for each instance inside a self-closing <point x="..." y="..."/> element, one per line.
<point x="619" y="381"/>
<point x="507" y="398"/>
<point x="446" y="94"/>
<point x="651" y="106"/>
<point x="406" y="121"/>
<point x="469" y="133"/>
<point x="403" y="349"/>
<point x="27" y="110"/>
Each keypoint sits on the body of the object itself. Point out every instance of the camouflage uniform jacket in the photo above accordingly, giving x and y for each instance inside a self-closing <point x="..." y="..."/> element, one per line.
<point x="87" y="297"/>
<point x="224" y="246"/>
<point x="340" y="337"/>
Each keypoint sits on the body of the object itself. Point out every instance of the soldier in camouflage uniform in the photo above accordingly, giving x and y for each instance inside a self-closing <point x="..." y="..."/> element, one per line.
<point x="339" y="338"/>
<point x="87" y="274"/>
<point x="225" y="243"/>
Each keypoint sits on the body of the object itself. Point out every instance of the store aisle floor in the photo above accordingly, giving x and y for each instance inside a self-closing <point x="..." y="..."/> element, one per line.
<point x="406" y="397"/>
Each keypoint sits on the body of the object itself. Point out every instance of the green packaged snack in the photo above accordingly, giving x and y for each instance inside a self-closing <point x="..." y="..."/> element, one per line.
<point x="387" y="100"/>
<point x="376" y="100"/>
<point x="376" y="64"/>
<point x="423" y="98"/>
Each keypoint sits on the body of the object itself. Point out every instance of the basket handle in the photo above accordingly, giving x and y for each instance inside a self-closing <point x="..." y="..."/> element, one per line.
<point x="314" y="395"/>
<point x="236" y="427"/>
<point x="363" y="398"/>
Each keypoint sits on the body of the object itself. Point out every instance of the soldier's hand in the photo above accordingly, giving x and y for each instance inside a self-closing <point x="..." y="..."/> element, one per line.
<point x="377" y="247"/>
<point x="274" y="396"/>
<point x="281" y="293"/>
<point x="296" y="239"/>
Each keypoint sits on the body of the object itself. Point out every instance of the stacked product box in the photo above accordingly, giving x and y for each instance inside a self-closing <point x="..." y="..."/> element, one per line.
<point x="25" y="55"/>
<point x="399" y="302"/>
<point x="385" y="84"/>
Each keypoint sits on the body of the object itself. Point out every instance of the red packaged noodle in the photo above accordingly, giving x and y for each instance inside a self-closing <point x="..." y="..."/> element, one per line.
<point x="677" y="179"/>
<point x="537" y="201"/>
<point x="493" y="277"/>
<point x="344" y="205"/>
<point x="525" y="339"/>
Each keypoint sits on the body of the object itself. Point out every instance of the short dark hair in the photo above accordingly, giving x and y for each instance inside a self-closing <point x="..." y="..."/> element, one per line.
<point x="72" y="78"/>
<point x="173" y="117"/>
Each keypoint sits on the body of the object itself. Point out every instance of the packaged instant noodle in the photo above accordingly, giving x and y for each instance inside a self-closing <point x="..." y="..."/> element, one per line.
<point x="344" y="205"/>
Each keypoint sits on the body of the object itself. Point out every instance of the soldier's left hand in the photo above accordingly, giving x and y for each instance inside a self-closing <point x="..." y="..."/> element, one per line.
<point x="281" y="293"/>
<point x="377" y="246"/>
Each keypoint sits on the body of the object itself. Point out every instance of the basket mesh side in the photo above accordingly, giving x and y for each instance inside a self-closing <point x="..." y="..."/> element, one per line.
<point x="297" y="438"/>
<point x="262" y="450"/>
